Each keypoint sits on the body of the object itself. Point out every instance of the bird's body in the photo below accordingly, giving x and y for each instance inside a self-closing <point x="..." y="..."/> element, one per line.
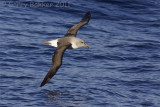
<point x="72" y="40"/>
<point x="69" y="41"/>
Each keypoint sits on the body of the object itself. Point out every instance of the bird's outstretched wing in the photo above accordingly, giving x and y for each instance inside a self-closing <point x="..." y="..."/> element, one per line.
<point x="56" y="62"/>
<point x="73" y="30"/>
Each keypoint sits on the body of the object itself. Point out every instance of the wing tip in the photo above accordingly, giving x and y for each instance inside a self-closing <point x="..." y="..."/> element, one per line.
<point x="87" y="16"/>
<point x="46" y="79"/>
<point x="42" y="84"/>
<point x="88" y="13"/>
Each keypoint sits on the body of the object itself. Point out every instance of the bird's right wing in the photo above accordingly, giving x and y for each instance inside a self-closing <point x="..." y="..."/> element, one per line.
<point x="73" y="30"/>
<point x="56" y="62"/>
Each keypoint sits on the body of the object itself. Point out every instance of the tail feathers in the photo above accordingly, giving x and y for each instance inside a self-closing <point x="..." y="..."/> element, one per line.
<point x="46" y="79"/>
<point x="51" y="42"/>
<point x="46" y="43"/>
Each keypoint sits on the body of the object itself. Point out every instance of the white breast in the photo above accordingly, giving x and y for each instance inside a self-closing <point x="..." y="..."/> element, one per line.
<point x="74" y="46"/>
<point x="74" y="42"/>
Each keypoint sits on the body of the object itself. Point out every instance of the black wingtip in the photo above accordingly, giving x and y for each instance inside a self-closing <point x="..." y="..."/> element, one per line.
<point x="41" y="84"/>
<point x="46" y="79"/>
<point x="86" y="17"/>
<point x="88" y="13"/>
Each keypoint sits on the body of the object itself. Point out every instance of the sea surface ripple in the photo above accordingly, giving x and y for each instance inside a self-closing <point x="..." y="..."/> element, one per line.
<point x="121" y="69"/>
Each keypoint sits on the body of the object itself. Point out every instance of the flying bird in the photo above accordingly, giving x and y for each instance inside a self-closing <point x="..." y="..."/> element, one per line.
<point x="69" y="41"/>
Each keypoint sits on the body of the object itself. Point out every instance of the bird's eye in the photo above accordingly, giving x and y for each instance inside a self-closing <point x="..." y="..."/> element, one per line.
<point x="82" y="42"/>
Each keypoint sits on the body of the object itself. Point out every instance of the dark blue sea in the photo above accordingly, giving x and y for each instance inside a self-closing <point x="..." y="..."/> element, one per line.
<point x="121" y="69"/>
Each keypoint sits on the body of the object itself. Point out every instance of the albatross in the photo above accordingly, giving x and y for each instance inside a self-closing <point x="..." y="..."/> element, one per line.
<point x="69" y="41"/>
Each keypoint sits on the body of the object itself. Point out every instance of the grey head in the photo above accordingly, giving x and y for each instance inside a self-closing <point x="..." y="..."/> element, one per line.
<point x="77" y="43"/>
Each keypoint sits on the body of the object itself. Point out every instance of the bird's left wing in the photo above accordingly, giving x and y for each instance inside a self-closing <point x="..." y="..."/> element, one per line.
<point x="56" y="62"/>
<point x="73" y="30"/>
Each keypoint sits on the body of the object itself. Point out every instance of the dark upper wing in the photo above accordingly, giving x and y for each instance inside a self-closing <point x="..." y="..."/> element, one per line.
<point x="56" y="62"/>
<point x="73" y="30"/>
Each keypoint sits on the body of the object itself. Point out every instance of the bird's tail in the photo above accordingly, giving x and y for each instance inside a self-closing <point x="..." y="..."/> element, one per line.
<point x="51" y="42"/>
<point x="46" y="43"/>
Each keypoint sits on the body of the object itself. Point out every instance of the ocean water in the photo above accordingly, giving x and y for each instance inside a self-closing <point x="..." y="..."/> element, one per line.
<point x="121" y="69"/>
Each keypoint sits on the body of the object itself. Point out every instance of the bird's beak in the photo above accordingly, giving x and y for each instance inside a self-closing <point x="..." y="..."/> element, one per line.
<point x="86" y="45"/>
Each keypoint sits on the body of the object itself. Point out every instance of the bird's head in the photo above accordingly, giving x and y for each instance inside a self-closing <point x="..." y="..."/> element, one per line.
<point x="77" y="43"/>
<point x="82" y="44"/>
